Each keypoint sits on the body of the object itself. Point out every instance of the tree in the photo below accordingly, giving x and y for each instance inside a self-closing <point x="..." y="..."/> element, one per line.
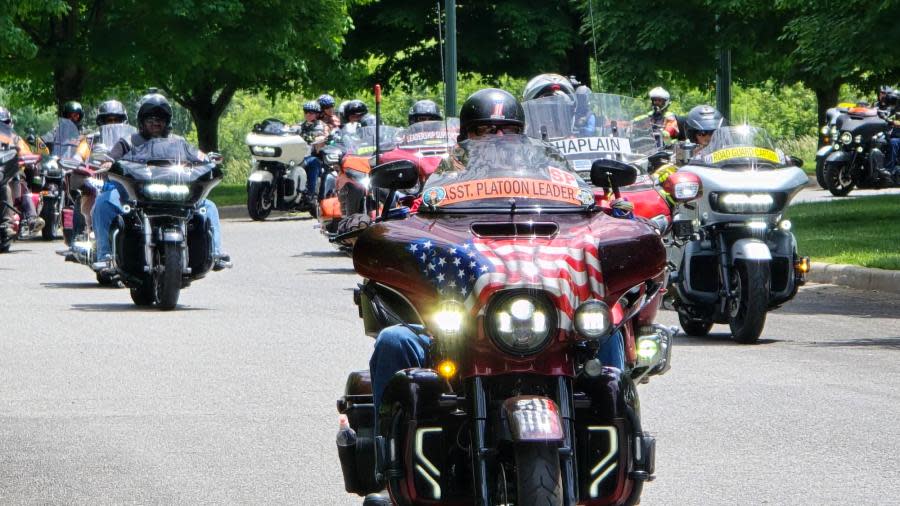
<point x="515" y="37"/>
<point x="202" y="53"/>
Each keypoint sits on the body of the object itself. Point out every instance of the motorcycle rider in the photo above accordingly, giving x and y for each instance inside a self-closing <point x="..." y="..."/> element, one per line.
<point x="326" y="102"/>
<point x="154" y="121"/>
<point x="889" y="103"/>
<point x="423" y="110"/>
<point x="486" y="112"/>
<point x="15" y="190"/>
<point x="585" y="120"/>
<point x="548" y="85"/>
<point x="314" y="132"/>
<point x="110" y="112"/>
<point x="659" y="117"/>
<point x="72" y="111"/>
<point x="702" y="121"/>
<point x="882" y="103"/>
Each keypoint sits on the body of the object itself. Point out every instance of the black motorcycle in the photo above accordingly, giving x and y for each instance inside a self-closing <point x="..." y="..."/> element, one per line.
<point x="9" y="167"/>
<point x="62" y="160"/>
<point x="857" y="156"/>
<point x="162" y="242"/>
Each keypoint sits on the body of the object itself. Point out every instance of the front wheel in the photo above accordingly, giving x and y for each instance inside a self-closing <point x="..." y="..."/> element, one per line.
<point x="259" y="202"/>
<point x="168" y="285"/>
<point x="838" y="179"/>
<point x="820" y="174"/>
<point x="51" y="214"/>
<point x="538" y="477"/>
<point x="748" y="313"/>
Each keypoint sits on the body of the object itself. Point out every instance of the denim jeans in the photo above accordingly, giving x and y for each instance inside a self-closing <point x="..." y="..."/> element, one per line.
<point x="313" y="167"/>
<point x="109" y="205"/>
<point x="893" y="153"/>
<point x="397" y="348"/>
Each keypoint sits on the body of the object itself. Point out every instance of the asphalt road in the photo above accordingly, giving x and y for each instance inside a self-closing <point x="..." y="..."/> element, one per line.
<point x="816" y="194"/>
<point x="230" y="398"/>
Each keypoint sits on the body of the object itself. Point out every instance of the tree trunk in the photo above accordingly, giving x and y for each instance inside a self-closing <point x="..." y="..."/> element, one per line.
<point x="206" y="107"/>
<point x="68" y="83"/>
<point x="826" y="98"/>
<point x="578" y="63"/>
<point x="207" y="129"/>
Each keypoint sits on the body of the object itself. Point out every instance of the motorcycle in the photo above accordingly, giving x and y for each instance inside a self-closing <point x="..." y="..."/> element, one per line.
<point x="9" y="168"/>
<point x="68" y="153"/>
<point x="857" y="155"/>
<point x="88" y="178"/>
<point x="425" y="144"/>
<point x="351" y="207"/>
<point x="162" y="243"/>
<point x="743" y="261"/>
<point x="277" y="178"/>
<point x="519" y="277"/>
<point x="827" y="134"/>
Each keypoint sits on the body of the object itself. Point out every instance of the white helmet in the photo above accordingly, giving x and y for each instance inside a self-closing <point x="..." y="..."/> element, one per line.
<point x="659" y="92"/>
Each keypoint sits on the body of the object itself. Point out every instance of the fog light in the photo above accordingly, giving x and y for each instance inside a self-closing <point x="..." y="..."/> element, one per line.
<point x="647" y="348"/>
<point x="785" y="225"/>
<point x="802" y="266"/>
<point x="449" y="319"/>
<point x="447" y="369"/>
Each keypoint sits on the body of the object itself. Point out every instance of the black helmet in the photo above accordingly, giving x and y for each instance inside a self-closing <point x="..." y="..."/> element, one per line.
<point x="73" y="107"/>
<point x="424" y="110"/>
<point x="325" y="101"/>
<point x="703" y="118"/>
<point x="111" y="109"/>
<point x="154" y="104"/>
<point x="490" y="106"/>
<point x="5" y="116"/>
<point x="885" y="89"/>
<point x="352" y="108"/>
<point x="312" y="106"/>
<point x="546" y="85"/>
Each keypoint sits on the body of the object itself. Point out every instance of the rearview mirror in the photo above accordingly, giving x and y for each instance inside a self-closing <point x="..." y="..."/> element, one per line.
<point x="396" y="175"/>
<point x="607" y="173"/>
<point x="796" y="162"/>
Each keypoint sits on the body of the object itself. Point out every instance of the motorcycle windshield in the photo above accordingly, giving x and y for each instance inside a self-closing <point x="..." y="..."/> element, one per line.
<point x="429" y="135"/>
<point x="595" y="126"/>
<point x="165" y="160"/>
<point x="110" y="134"/>
<point x="66" y="139"/>
<point x="6" y="135"/>
<point x="499" y="173"/>
<point x="362" y="141"/>
<point x="271" y="126"/>
<point x="741" y="147"/>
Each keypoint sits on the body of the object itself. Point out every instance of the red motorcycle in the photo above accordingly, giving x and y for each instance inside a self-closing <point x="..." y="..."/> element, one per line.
<point x="425" y="144"/>
<point x="520" y="276"/>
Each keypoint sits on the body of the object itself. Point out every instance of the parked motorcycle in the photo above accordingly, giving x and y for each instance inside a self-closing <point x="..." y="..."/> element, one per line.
<point x="827" y="135"/>
<point x="277" y="177"/>
<point x="161" y="243"/>
<point x="519" y="277"/>
<point x="743" y="262"/>
<point x="857" y="156"/>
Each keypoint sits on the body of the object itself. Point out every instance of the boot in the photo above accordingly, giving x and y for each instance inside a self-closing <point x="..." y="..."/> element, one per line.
<point x="377" y="500"/>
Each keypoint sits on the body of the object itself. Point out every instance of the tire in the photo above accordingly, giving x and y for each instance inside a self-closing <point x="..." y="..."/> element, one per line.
<point x="749" y="316"/>
<point x="106" y="279"/>
<point x="257" y="206"/>
<point x="820" y="174"/>
<point x="834" y="182"/>
<point x="693" y="327"/>
<point x="168" y="284"/>
<point x="50" y="212"/>
<point x="144" y="295"/>
<point x="538" y="477"/>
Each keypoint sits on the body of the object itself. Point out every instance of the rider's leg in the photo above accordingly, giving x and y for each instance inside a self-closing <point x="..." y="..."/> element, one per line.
<point x="222" y="259"/>
<point x="396" y="348"/>
<point x="313" y="167"/>
<point x="612" y="352"/>
<point x="107" y="207"/>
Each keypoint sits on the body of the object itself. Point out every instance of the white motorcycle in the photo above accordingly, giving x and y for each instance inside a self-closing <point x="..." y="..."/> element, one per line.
<point x="277" y="177"/>
<point x="742" y="261"/>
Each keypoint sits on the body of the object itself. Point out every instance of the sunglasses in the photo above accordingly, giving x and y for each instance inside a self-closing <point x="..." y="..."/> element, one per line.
<point x="493" y="129"/>
<point x="704" y="133"/>
<point x="155" y="120"/>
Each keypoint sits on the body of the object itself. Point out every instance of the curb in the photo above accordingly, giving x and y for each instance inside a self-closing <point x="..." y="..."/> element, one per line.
<point x="233" y="212"/>
<point x="854" y="276"/>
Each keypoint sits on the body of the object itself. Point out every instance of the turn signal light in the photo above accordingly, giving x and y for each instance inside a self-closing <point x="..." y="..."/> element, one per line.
<point x="802" y="266"/>
<point x="447" y="369"/>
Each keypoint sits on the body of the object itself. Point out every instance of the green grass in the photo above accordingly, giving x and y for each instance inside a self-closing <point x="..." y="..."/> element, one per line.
<point x="229" y="194"/>
<point x="864" y="231"/>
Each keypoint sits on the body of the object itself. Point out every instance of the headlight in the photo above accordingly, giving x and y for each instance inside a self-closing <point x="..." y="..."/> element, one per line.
<point x="448" y="320"/>
<point x="593" y="320"/>
<point x="825" y="130"/>
<point x="846" y="138"/>
<point x="744" y="202"/>
<point x="332" y="158"/>
<point x="174" y="192"/>
<point x="269" y="151"/>
<point x="686" y="190"/>
<point x="858" y="139"/>
<point x="521" y="323"/>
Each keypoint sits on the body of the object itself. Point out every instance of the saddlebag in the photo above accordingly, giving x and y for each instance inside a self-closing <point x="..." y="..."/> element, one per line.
<point x="330" y="208"/>
<point x="358" y="457"/>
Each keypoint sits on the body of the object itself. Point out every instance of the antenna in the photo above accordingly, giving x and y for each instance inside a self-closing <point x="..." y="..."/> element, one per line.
<point x="443" y="73"/>
<point x="377" y="124"/>
<point x="594" y="39"/>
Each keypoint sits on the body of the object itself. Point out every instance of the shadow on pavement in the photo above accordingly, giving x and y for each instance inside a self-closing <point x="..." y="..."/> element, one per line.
<point x="891" y="343"/>
<point x="128" y="307"/>
<point x="73" y="284"/>
<point x="321" y="254"/>
<point x="716" y="339"/>
<point x="333" y="270"/>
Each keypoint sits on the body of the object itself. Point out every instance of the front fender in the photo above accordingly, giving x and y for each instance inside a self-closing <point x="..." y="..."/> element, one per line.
<point x="750" y="249"/>
<point x="824" y="151"/>
<point x="532" y="418"/>
<point x="839" y="156"/>
<point x="261" y="176"/>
